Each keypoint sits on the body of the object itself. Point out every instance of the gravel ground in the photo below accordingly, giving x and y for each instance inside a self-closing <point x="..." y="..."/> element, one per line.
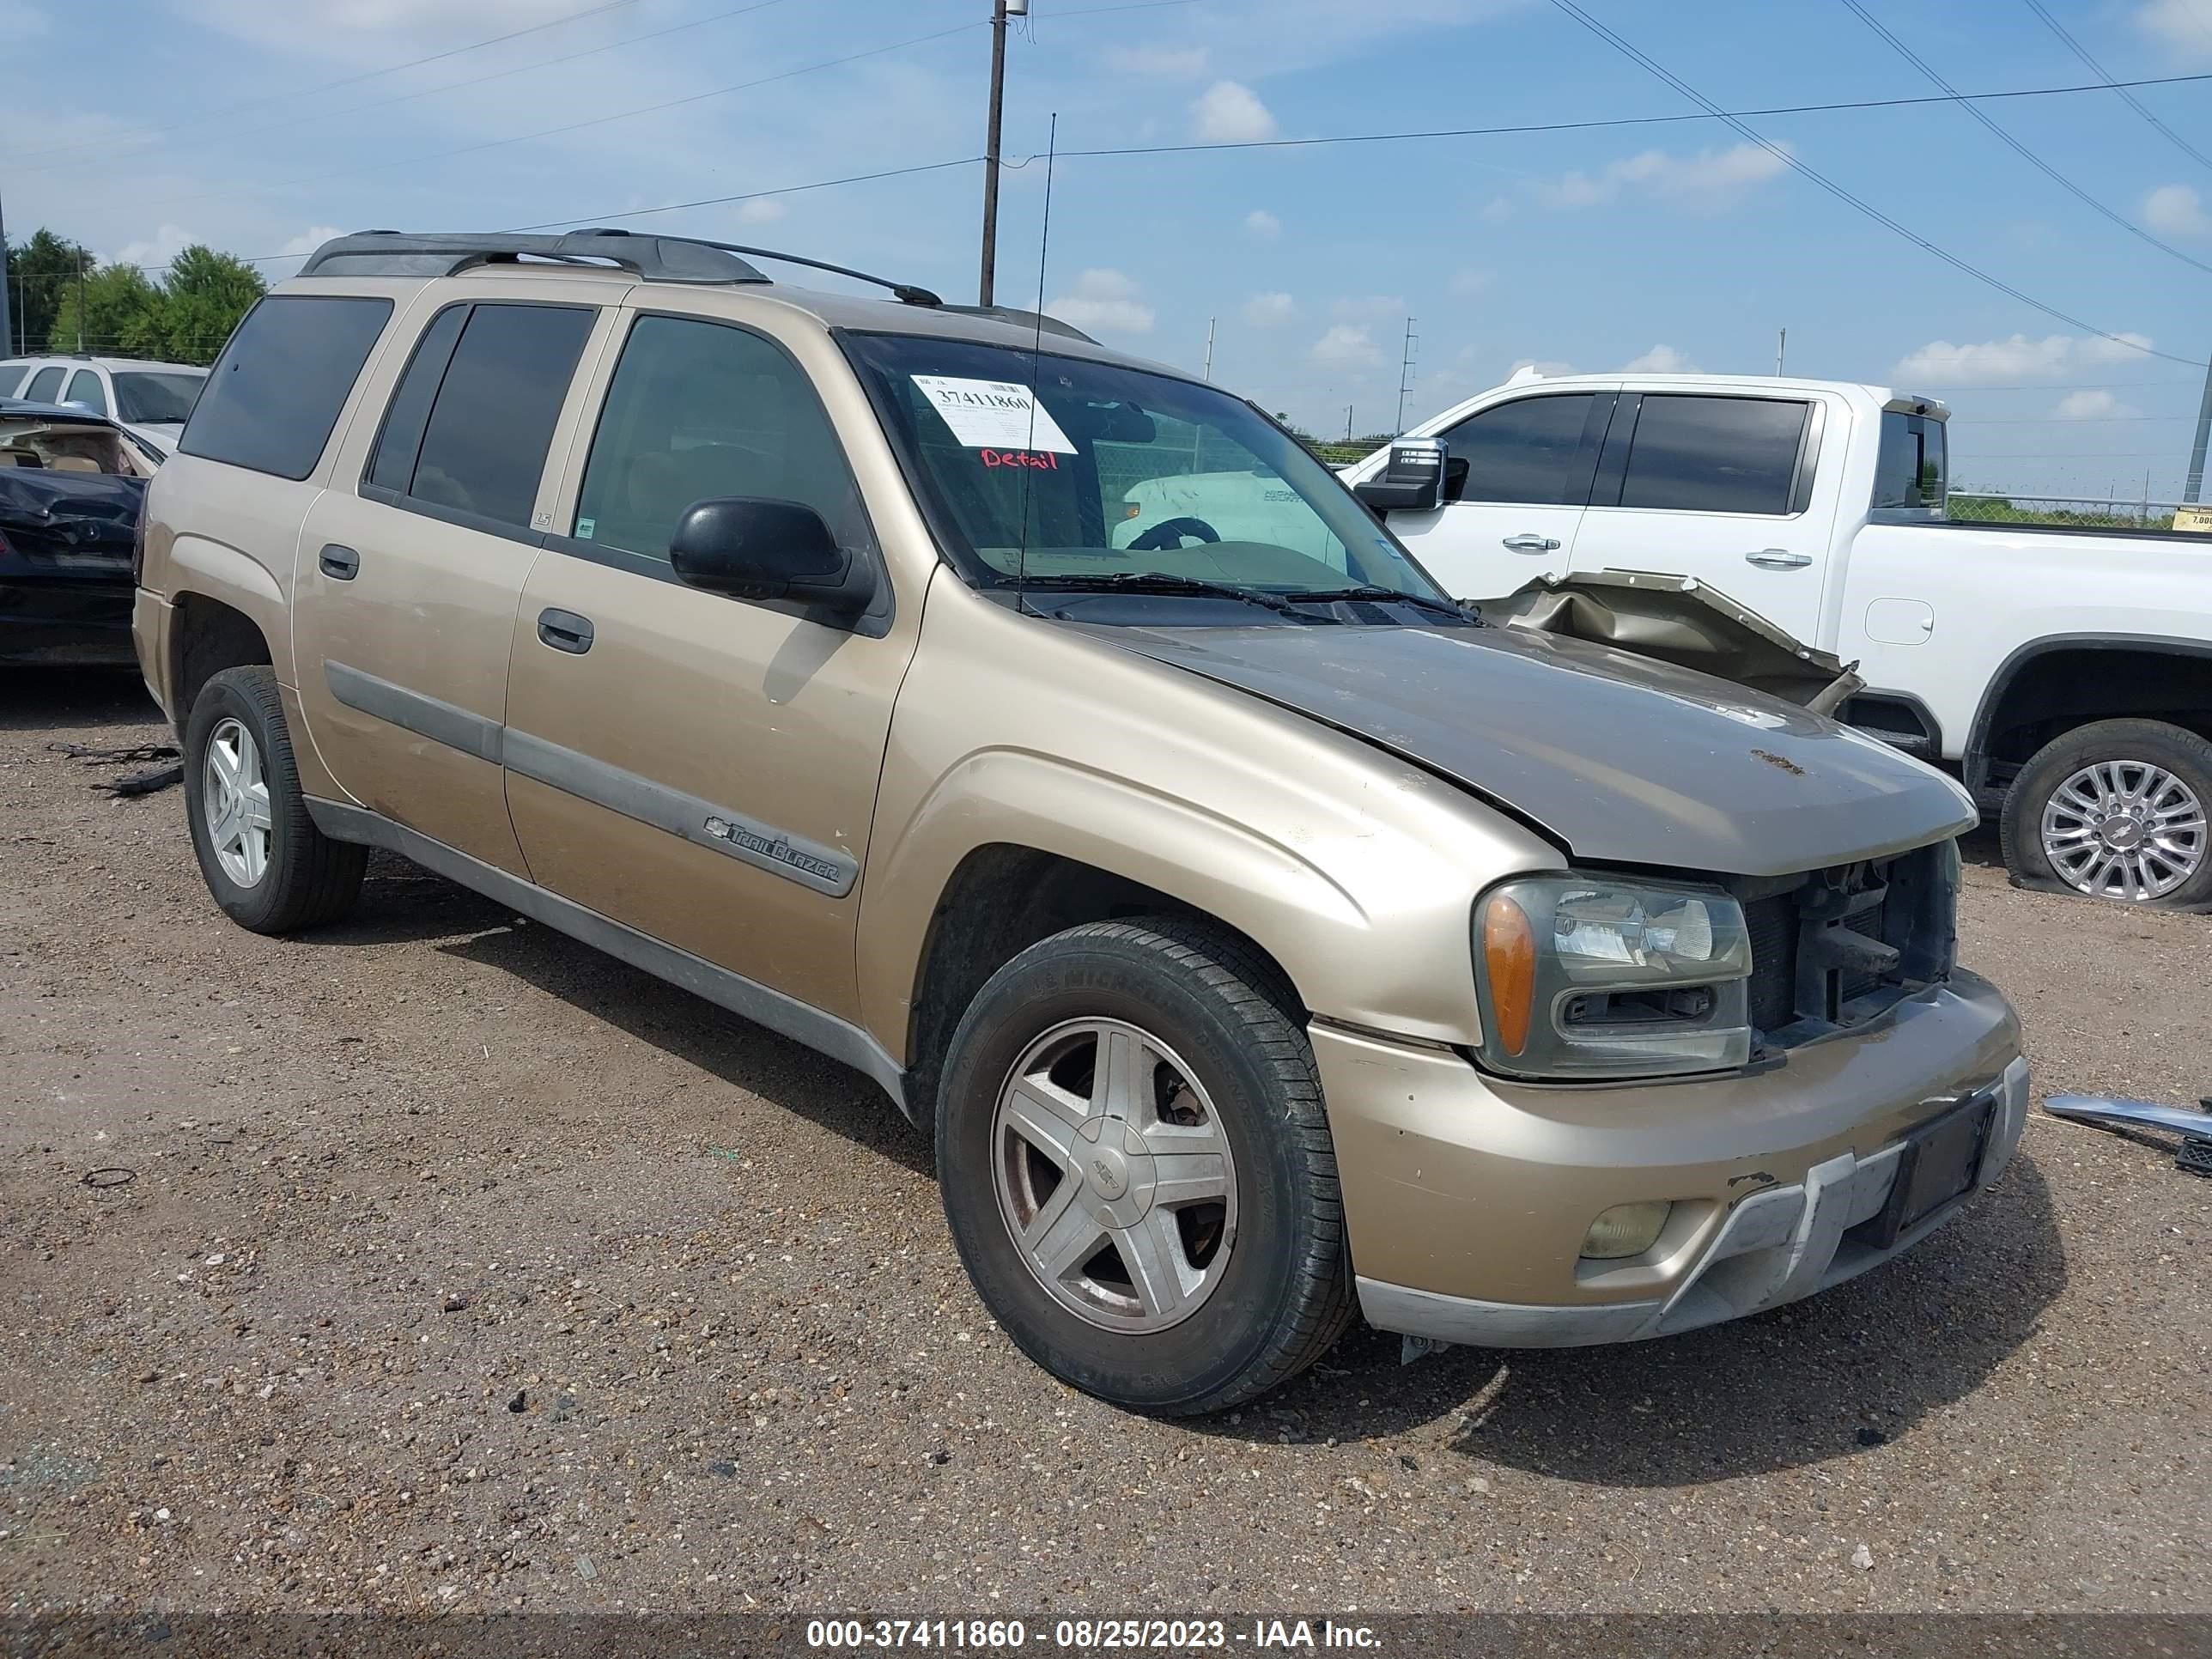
<point x="462" y="1267"/>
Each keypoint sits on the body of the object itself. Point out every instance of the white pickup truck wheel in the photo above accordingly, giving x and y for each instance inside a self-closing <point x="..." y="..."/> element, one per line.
<point x="2117" y="810"/>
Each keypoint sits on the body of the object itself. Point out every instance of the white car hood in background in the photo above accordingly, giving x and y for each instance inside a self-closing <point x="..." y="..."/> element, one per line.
<point x="1623" y="759"/>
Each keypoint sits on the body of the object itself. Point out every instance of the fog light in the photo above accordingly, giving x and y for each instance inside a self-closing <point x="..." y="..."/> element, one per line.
<point x="1624" y="1230"/>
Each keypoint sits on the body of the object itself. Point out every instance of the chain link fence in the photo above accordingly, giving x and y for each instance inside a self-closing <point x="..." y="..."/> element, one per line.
<point x="2086" y="512"/>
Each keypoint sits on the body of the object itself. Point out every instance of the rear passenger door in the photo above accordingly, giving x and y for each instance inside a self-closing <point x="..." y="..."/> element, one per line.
<point x="702" y="768"/>
<point x="411" y="565"/>
<point x="1717" y="487"/>
<point x="45" y="385"/>
<point x="1517" y="475"/>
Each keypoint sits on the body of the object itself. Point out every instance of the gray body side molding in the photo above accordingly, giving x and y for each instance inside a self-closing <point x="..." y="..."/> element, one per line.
<point x="723" y="829"/>
<point x="802" y="1022"/>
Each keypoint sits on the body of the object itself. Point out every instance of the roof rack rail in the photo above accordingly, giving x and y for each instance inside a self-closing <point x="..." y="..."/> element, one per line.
<point x="654" y="259"/>
<point x="1049" y="323"/>
<point x="397" y="254"/>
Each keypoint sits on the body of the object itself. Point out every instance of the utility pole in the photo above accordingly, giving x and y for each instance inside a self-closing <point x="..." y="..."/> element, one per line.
<point x="1781" y="347"/>
<point x="2195" y="482"/>
<point x="79" y="302"/>
<point x="1348" y="423"/>
<point x="1000" y="9"/>
<point x="1209" y="348"/>
<point x="6" y="327"/>
<point x="1405" y="375"/>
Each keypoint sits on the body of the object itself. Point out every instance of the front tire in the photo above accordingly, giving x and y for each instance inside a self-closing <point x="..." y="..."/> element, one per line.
<point x="267" y="865"/>
<point x="2116" y="809"/>
<point x="1136" y="1169"/>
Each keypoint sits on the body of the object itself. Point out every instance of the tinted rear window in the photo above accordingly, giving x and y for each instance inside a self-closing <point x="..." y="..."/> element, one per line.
<point x="484" y="446"/>
<point x="1910" y="470"/>
<point x="275" y="392"/>
<point x="1714" y="454"/>
<point x="11" y="376"/>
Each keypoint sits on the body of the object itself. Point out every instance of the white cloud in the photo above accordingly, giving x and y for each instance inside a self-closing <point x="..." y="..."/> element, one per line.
<point x="1163" y="63"/>
<point x="1260" y="223"/>
<point x="2176" y="209"/>
<point x="1708" y="180"/>
<point x="2001" y="362"/>
<point x="1497" y="209"/>
<point x="308" y="241"/>
<point x="165" y="245"/>
<point x="1660" y="360"/>
<point x="1104" y="298"/>
<point x="2181" y="26"/>
<point x="760" y="210"/>
<point x="1269" y="310"/>
<point x="2095" y="404"/>
<point x="1348" y="346"/>
<point x="1230" y="112"/>
<point x="1367" y="307"/>
<point x="1470" y="280"/>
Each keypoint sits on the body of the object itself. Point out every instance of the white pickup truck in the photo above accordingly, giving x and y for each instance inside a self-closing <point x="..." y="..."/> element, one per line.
<point x="2065" y="675"/>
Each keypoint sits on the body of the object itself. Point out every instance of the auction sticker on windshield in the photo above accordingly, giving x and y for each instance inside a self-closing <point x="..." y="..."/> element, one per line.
<point x="992" y="414"/>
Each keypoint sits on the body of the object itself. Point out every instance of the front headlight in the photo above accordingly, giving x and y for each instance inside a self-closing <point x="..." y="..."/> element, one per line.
<point x="1587" y="977"/>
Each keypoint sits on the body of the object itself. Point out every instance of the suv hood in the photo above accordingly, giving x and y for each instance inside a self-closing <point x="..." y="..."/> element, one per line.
<point x="1622" y="759"/>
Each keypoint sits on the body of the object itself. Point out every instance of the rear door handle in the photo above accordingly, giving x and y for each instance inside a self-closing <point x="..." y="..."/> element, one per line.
<point x="1778" y="558"/>
<point x="1525" y="543"/>
<point x="339" y="563"/>
<point x="564" y="630"/>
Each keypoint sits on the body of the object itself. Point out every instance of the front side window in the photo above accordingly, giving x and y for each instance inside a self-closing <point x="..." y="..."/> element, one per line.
<point x="44" y="385"/>
<point x="483" y="443"/>
<point x="84" y="387"/>
<point x="273" y="396"/>
<point x="700" y="409"/>
<point x="1714" y="454"/>
<point x="1530" y="452"/>
<point x="149" y="397"/>
<point x="1910" y="470"/>
<point x="1113" y="474"/>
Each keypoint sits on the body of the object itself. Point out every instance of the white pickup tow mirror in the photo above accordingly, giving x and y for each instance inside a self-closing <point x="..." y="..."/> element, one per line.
<point x="1412" y="480"/>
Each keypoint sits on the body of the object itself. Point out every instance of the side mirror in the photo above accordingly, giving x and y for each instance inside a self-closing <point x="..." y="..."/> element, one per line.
<point x="752" y="548"/>
<point x="1412" y="480"/>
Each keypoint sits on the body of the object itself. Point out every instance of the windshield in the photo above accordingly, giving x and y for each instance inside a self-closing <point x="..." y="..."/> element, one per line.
<point x="151" y="399"/>
<point x="1118" y="475"/>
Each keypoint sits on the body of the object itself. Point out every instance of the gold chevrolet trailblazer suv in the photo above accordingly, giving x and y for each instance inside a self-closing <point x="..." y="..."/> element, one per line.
<point x="1260" y="936"/>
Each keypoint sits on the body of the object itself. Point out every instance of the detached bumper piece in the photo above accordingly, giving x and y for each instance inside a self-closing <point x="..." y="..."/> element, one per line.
<point x="1849" y="1214"/>
<point x="2192" y="1157"/>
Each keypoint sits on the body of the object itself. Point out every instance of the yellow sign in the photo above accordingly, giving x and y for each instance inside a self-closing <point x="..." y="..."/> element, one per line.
<point x="2198" y="519"/>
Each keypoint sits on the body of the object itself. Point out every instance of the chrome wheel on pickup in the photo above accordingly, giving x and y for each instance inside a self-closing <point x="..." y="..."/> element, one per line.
<point x="2117" y="810"/>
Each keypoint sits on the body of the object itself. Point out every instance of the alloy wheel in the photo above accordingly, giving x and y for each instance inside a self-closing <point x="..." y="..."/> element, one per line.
<point x="234" y="803"/>
<point x="2125" y="829"/>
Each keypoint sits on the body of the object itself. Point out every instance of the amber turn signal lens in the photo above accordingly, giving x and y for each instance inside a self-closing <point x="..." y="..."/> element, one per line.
<point x="1509" y="952"/>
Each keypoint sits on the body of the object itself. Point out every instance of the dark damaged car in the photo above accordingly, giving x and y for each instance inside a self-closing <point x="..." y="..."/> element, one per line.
<point x="72" y="486"/>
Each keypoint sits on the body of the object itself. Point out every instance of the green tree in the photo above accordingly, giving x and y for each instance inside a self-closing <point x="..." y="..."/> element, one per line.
<point x="40" y="272"/>
<point x="114" y="312"/>
<point x="202" y="298"/>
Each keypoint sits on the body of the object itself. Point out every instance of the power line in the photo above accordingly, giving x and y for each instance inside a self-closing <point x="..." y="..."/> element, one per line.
<point x="1807" y="171"/>
<point x="2048" y="386"/>
<point x="2097" y="68"/>
<point x="2018" y="148"/>
<point x="1599" y="123"/>
<point x="349" y="80"/>
<point x="473" y="81"/>
<point x="2065" y="420"/>
<point x="747" y="196"/>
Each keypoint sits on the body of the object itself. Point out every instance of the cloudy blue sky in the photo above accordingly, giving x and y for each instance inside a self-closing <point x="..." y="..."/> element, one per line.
<point x="139" y="125"/>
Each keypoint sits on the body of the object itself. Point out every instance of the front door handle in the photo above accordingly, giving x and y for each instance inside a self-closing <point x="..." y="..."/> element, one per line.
<point x="564" y="630"/>
<point x="339" y="563"/>
<point x="1526" y="544"/>
<point x="1778" y="558"/>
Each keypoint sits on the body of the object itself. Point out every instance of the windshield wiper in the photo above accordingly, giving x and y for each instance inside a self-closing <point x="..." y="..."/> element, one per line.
<point x="1385" y="595"/>
<point x="1157" y="581"/>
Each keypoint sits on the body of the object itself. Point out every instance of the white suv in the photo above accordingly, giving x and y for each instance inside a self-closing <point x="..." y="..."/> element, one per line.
<point x="152" y="399"/>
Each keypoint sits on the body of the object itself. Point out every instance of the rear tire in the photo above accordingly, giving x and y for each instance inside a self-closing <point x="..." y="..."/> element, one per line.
<point x="267" y="865"/>
<point x="1214" y="1265"/>
<point x="2116" y="809"/>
